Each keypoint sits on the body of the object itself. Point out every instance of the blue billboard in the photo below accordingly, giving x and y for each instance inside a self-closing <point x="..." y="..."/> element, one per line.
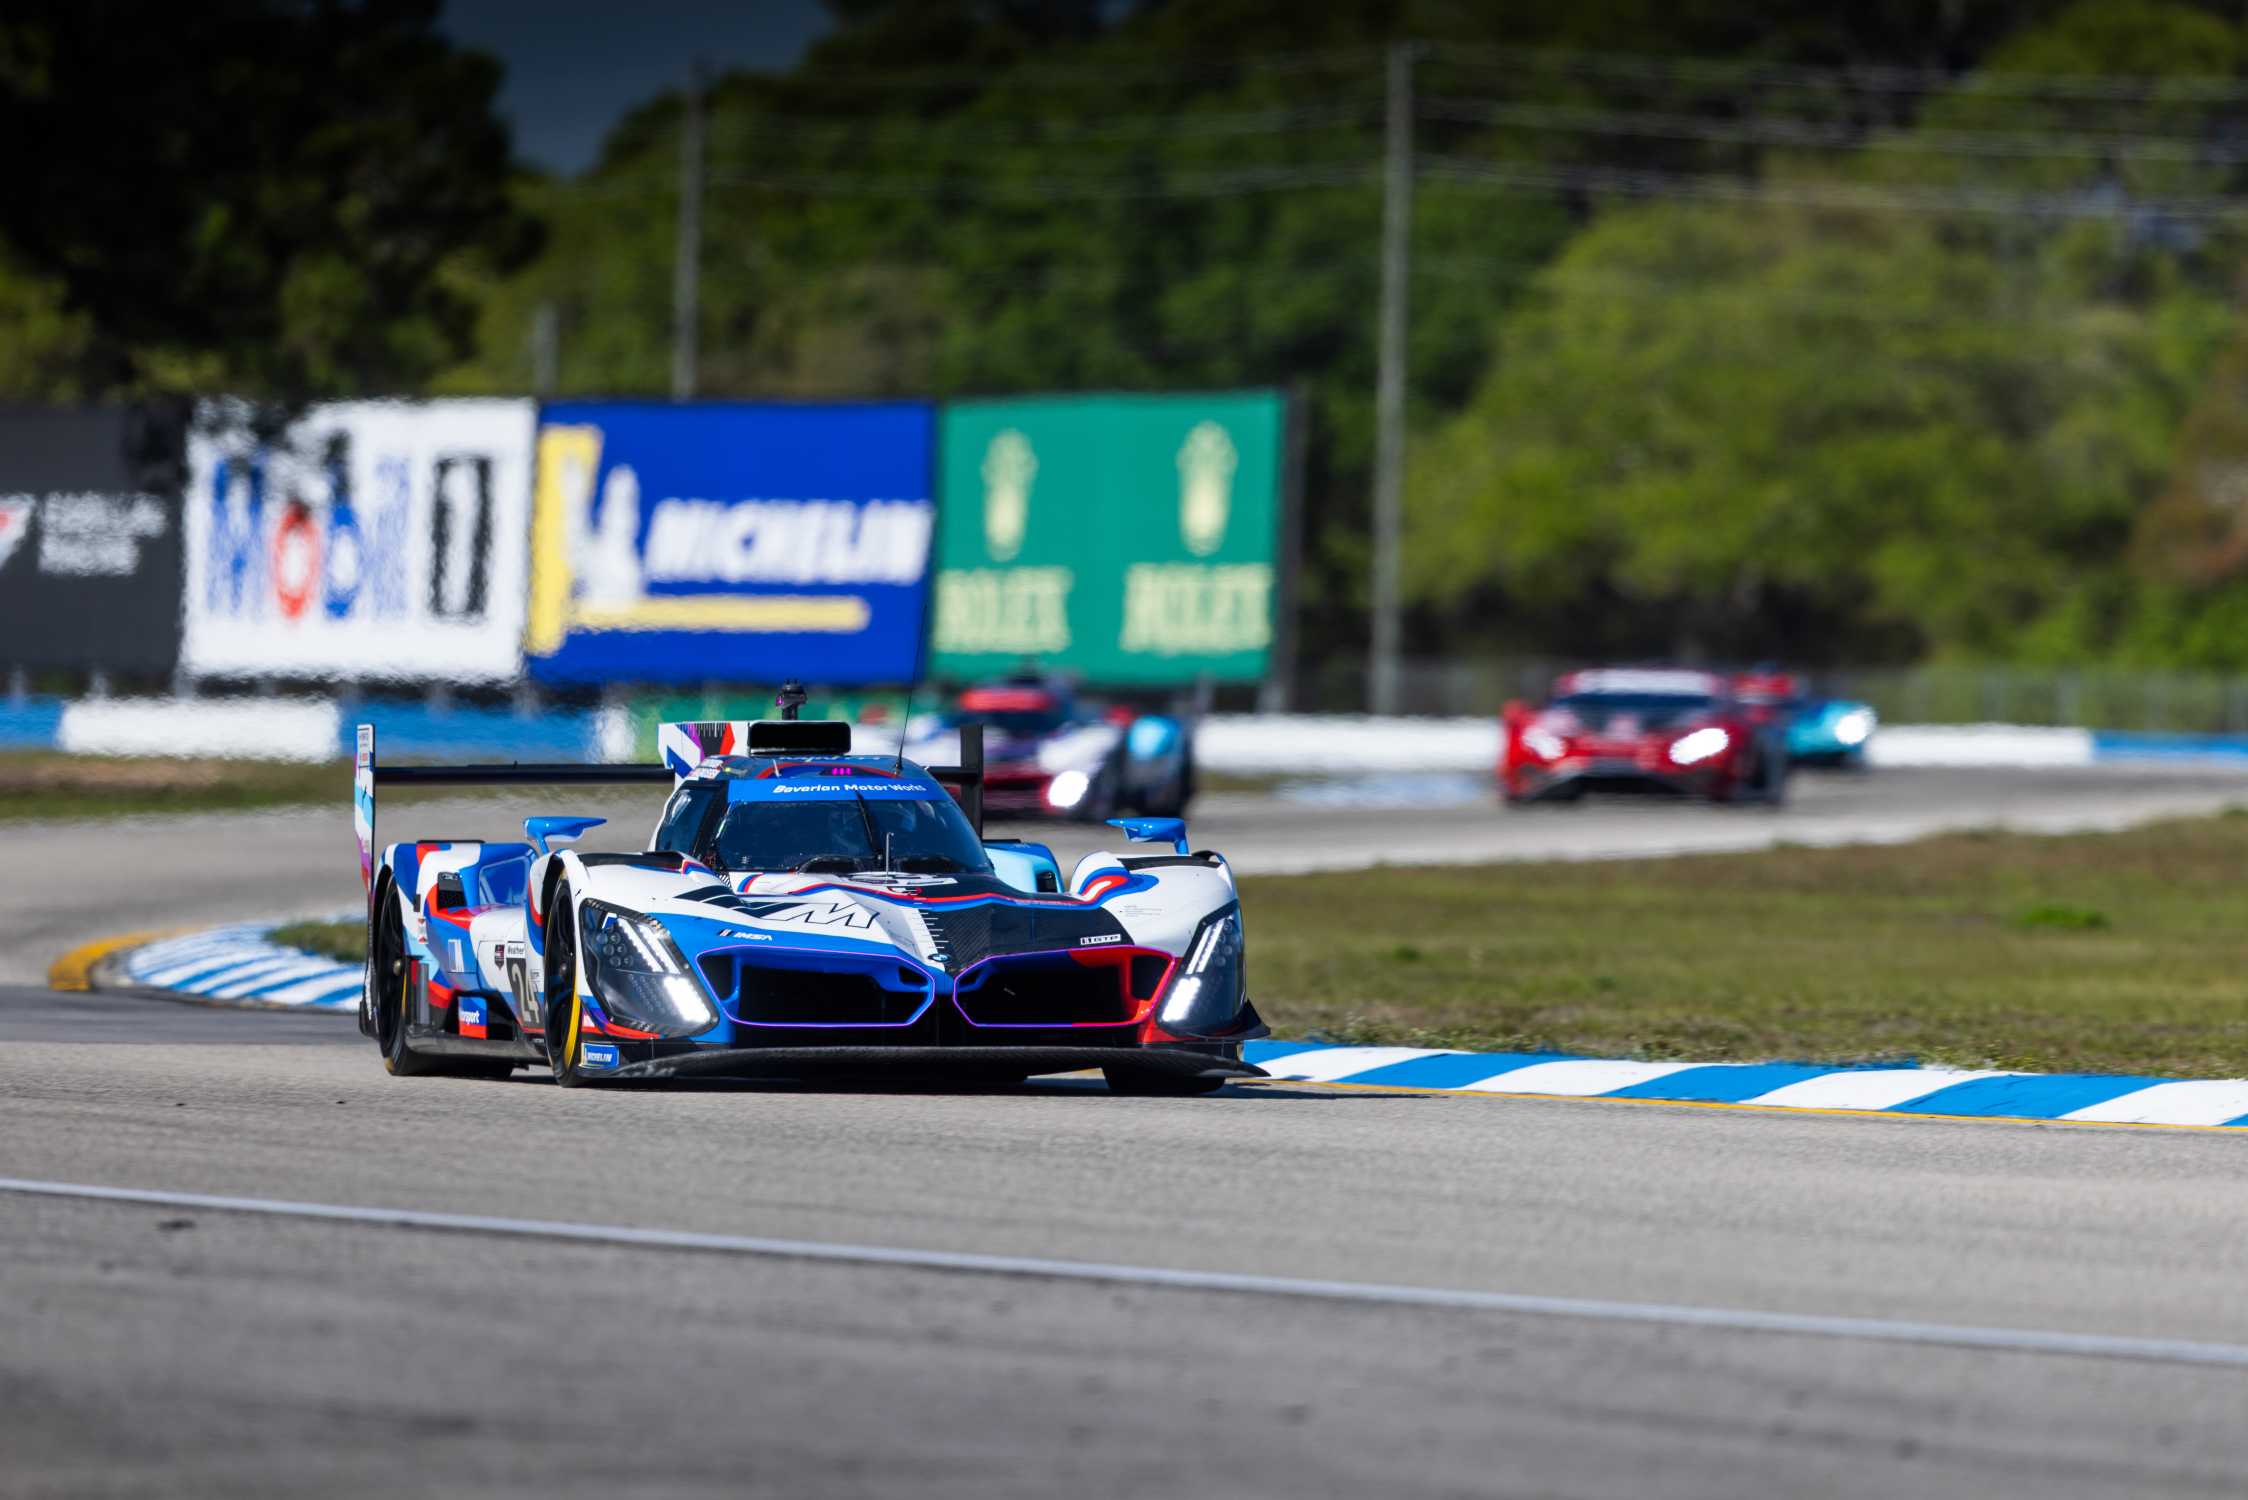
<point x="730" y="541"/>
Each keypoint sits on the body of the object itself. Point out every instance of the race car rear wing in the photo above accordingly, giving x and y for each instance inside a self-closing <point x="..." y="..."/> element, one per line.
<point x="966" y="779"/>
<point x="367" y="775"/>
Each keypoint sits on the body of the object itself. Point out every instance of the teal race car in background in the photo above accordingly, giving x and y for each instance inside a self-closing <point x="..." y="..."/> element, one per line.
<point x="1830" y="732"/>
<point x="1820" y="731"/>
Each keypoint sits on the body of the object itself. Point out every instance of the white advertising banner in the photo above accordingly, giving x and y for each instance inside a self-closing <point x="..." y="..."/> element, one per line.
<point x="376" y="539"/>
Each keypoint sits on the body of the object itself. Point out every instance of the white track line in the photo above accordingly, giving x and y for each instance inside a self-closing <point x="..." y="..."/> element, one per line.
<point x="1735" y="1320"/>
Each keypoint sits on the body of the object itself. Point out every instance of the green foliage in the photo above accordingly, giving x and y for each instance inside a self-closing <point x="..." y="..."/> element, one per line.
<point x="1843" y="424"/>
<point x="2060" y="916"/>
<point x="257" y="194"/>
<point x="960" y="198"/>
<point x="345" y="942"/>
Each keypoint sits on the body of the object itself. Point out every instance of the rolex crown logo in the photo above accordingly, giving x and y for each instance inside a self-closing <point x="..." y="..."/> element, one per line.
<point x="1207" y="460"/>
<point x="1009" y="466"/>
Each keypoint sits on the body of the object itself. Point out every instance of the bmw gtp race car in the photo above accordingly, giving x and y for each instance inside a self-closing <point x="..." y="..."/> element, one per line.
<point x="797" y="910"/>
<point x="1053" y="754"/>
<point x="1642" y="729"/>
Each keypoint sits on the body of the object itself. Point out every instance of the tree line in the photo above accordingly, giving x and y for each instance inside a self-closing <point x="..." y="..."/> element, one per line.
<point x="1848" y="332"/>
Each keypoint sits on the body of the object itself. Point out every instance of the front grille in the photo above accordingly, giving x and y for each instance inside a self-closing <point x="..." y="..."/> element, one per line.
<point x="967" y="935"/>
<point x="1046" y="992"/>
<point x="767" y="996"/>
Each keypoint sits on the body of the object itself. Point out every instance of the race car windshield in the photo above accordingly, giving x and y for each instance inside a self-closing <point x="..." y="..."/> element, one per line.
<point x="849" y="835"/>
<point x="1019" y="725"/>
<point x="1597" y="711"/>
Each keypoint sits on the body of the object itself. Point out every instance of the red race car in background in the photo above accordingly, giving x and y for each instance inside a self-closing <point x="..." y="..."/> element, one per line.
<point x="1644" y="729"/>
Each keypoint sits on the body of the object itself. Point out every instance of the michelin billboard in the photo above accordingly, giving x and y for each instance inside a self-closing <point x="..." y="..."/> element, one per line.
<point x="1126" y="539"/>
<point x="369" y="540"/>
<point x="730" y="542"/>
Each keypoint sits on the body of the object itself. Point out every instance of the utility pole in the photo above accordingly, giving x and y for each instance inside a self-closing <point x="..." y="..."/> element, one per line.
<point x="1389" y="390"/>
<point x="546" y="349"/>
<point x="686" y="274"/>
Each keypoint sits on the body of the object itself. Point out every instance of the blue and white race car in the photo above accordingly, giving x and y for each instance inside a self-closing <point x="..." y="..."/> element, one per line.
<point x="798" y="910"/>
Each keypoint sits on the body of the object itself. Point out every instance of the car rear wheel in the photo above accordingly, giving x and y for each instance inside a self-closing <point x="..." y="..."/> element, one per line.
<point x="389" y="993"/>
<point x="388" y="989"/>
<point x="1158" y="1085"/>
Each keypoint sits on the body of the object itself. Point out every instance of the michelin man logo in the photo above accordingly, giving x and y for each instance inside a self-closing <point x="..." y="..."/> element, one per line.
<point x="1009" y="466"/>
<point x="1207" y="460"/>
<point x="605" y="555"/>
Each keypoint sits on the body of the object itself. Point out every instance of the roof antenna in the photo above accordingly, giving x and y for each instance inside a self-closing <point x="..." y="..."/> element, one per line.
<point x="790" y="700"/>
<point x="905" y="721"/>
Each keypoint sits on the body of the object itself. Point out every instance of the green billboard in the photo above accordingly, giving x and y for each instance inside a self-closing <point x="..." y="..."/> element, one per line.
<point x="1125" y="539"/>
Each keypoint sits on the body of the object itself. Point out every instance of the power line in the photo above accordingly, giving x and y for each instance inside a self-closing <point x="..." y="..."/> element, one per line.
<point x="844" y="129"/>
<point x="1821" y="134"/>
<point x="1010" y="74"/>
<point x="2105" y="203"/>
<point x="1188" y="184"/>
<point x="1646" y="287"/>
<point x="2142" y="88"/>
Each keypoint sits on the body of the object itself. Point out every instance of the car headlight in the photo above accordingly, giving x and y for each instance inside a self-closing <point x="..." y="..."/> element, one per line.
<point x="1854" y="727"/>
<point x="636" y="971"/>
<point x="1068" y="789"/>
<point x="1543" y="743"/>
<point x="1693" y="749"/>
<point x="1206" y="991"/>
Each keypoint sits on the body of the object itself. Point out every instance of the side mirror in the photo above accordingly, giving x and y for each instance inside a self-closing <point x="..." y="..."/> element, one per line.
<point x="549" y="834"/>
<point x="1170" y="831"/>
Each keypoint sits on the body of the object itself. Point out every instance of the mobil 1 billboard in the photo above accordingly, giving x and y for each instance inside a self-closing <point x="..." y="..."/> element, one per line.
<point x="730" y="542"/>
<point x="90" y="538"/>
<point x="1125" y="539"/>
<point x="362" y="541"/>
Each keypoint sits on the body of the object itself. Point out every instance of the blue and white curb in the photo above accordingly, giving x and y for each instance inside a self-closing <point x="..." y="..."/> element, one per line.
<point x="237" y="965"/>
<point x="2092" y="1098"/>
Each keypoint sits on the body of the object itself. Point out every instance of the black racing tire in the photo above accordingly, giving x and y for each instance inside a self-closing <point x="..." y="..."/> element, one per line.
<point x="386" y="966"/>
<point x="560" y="1000"/>
<point x="1144" y="1084"/>
<point x="386" y="969"/>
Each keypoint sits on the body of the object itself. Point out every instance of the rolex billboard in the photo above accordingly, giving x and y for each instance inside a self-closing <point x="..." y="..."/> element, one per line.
<point x="1125" y="539"/>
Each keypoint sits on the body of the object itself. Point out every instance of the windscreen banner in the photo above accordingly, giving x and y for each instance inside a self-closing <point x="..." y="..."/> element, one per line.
<point x="731" y="542"/>
<point x="90" y="538"/>
<point x="1128" y="540"/>
<point x="365" y="541"/>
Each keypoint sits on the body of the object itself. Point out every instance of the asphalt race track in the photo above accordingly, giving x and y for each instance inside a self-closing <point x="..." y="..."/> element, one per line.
<point x="174" y="1347"/>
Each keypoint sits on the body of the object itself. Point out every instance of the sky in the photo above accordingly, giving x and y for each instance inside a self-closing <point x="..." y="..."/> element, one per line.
<point x="574" y="66"/>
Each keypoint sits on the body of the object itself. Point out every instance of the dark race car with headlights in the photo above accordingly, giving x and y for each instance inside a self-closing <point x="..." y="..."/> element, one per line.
<point x="1054" y="754"/>
<point x="800" y="910"/>
<point x="1641" y="730"/>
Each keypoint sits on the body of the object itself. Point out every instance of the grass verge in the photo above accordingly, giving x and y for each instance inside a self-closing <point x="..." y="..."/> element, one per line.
<point x="2096" y="953"/>
<point x="2107" y="953"/>
<point x="50" y="784"/>
<point x="345" y="941"/>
